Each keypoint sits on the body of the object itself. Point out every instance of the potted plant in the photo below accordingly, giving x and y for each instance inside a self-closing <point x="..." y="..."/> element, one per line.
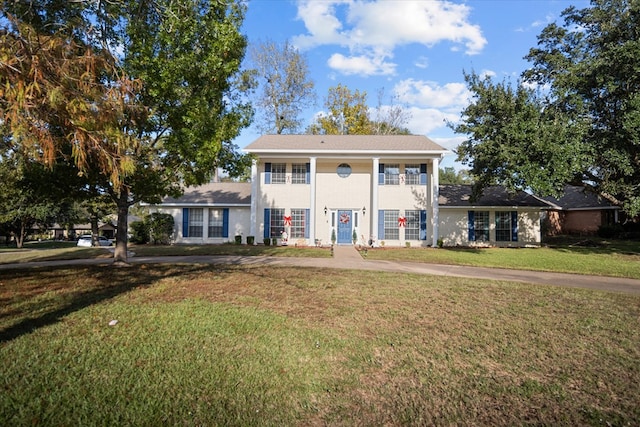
<point x="354" y="237"/>
<point x="250" y="240"/>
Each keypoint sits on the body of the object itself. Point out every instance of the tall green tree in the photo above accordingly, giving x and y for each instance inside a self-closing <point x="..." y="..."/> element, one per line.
<point x="118" y="82"/>
<point x="583" y="126"/>
<point x="284" y="86"/>
<point x="347" y="113"/>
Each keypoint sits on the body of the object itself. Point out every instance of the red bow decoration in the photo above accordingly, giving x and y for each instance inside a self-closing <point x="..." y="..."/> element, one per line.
<point x="287" y="220"/>
<point x="402" y="221"/>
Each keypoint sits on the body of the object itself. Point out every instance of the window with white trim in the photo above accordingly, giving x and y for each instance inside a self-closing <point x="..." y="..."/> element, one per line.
<point x="505" y="228"/>
<point x="298" y="223"/>
<point x="216" y="222"/>
<point x="276" y="222"/>
<point x="412" y="225"/>
<point x="391" y="174"/>
<point x="391" y="231"/>
<point x="278" y="173"/>
<point x="299" y="173"/>
<point x="481" y="226"/>
<point x="196" y="223"/>
<point x="411" y="174"/>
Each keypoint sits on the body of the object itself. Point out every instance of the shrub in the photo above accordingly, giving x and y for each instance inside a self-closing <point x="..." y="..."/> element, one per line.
<point x="160" y="227"/>
<point x="238" y="240"/>
<point x="267" y="241"/>
<point x="139" y="232"/>
<point x="610" y="231"/>
<point x="250" y="240"/>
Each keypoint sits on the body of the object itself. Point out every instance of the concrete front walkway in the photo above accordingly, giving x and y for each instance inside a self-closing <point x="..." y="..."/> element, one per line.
<point x="347" y="257"/>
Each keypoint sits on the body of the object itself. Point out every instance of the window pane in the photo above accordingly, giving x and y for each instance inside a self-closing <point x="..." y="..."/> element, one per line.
<point x="412" y="227"/>
<point x="481" y="224"/>
<point x="503" y="226"/>
<point x="298" y="223"/>
<point x="391" y="174"/>
<point x="412" y="174"/>
<point x="195" y="222"/>
<point x="278" y="173"/>
<point x="391" y="225"/>
<point x="215" y="222"/>
<point x="277" y="222"/>
<point x="299" y="173"/>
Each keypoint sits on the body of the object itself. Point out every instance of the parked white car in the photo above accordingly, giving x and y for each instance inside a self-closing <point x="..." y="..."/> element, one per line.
<point x="85" y="241"/>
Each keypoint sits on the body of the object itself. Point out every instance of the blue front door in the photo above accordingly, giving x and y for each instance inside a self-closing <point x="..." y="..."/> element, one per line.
<point x="344" y="227"/>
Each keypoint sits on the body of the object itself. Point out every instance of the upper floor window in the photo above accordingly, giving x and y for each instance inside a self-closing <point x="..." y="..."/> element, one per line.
<point x="278" y="173"/>
<point x="299" y="173"/>
<point x="391" y="174"/>
<point x="412" y="174"/>
<point x="344" y="170"/>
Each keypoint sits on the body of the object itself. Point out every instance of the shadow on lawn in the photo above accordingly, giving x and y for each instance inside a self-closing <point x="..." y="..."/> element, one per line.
<point x="81" y="288"/>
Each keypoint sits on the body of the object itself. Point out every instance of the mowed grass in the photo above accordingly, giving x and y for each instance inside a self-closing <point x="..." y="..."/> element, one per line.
<point x="245" y="346"/>
<point x="601" y="258"/>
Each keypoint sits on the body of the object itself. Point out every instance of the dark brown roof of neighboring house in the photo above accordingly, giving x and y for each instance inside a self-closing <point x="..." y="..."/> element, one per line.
<point x="214" y="193"/>
<point x="578" y="197"/>
<point x="497" y="196"/>
<point x="358" y="143"/>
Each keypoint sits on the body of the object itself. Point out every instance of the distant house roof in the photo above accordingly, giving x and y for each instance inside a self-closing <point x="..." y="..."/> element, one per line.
<point x="345" y="144"/>
<point x="214" y="194"/>
<point x="496" y="196"/>
<point x="577" y="197"/>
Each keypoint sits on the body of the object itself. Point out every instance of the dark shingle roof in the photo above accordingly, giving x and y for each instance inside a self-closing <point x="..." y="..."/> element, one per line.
<point x="346" y="143"/>
<point x="215" y="193"/>
<point x="497" y="196"/>
<point x="578" y="197"/>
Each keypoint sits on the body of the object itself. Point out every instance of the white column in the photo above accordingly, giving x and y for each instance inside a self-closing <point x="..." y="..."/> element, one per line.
<point x="373" y="217"/>
<point x="254" y="199"/>
<point x="312" y="202"/>
<point x="435" y="209"/>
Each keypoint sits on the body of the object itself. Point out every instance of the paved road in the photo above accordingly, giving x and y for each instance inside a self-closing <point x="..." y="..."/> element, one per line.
<point x="346" y="257"/>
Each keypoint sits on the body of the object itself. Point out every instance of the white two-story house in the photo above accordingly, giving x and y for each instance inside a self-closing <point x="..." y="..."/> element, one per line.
<point x="364" y="189"/>
<point x="346" y="188"/>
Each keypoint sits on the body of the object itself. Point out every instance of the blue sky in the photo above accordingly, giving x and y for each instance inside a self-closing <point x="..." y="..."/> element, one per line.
<point x="416" y="50"/>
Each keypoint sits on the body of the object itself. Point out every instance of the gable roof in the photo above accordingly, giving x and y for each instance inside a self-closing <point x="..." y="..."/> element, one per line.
<point x="214" y="194"/>
<point x="495" y="196"/>
<point x="579" y="198"/>
<point x="345" y="144"/>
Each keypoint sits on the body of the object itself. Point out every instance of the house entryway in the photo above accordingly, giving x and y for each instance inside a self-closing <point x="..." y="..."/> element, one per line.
<point x="345" y="227"/>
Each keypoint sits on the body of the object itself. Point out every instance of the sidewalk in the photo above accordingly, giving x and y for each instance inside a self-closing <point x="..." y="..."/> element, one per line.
<point x="347" y="257"/>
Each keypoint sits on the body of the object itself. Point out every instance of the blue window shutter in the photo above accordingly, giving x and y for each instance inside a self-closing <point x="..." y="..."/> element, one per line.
<point x="423" y="174"/>
<point x="380" y="225"/>
<point x="308" y="174"/>
<point x="472" y="227"/>
<point x="514" y="226"/>
<point x="267" y="173"/>
<point x="381" y="174"/>
<point x="423" y="225"/>
<point x="267" y="222"/>
<point x="185" y="222"/>
<point x="225" y="222"/>
<point x="306" y="223"/>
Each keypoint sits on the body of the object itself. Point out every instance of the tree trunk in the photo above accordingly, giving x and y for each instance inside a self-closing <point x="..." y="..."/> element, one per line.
<point x="120" y="253"/>
<point x="94" y="230"/>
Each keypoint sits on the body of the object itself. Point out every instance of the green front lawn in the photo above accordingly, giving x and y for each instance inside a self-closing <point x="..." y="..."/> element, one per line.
<point x="244" y="346"/>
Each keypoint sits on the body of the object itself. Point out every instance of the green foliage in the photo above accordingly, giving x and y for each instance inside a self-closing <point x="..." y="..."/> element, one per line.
<point x="139" y="232"/>
<point x="160" y="227"/>
<point x="449" y="175"/>
<point x="584" y="124"/>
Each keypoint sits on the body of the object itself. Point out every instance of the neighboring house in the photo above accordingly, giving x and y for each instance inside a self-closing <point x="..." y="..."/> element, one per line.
<point x="210" y="213"/>
<point x="362" y="188"/>
<point x="579" y="211"/>
<point x="498" y="218"/>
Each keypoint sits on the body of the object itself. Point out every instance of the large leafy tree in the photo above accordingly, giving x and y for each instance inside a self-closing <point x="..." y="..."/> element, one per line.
<point x="146" y="94"/>
<point x="582" y="126"/>
<point x="284" y="86"/>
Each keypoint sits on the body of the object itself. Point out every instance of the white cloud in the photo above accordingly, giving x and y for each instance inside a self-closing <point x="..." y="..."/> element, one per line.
<point x="425" y="121"/>
<point x="375" y="28"/>
<point x="431" y="94"/>
<point x="363" y="65"/>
